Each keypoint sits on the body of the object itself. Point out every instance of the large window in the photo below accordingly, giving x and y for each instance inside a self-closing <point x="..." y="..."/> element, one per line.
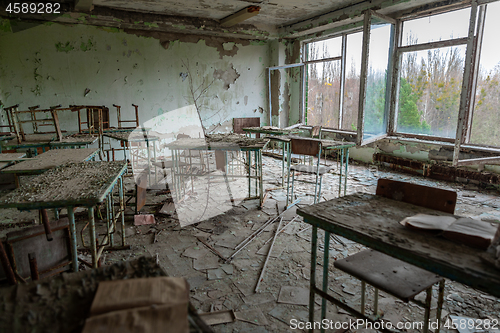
<point x="431" y="72"/>
<point x="350" y="78"/>
<point x="486" y="112"/>
<point x="332" y="86"/>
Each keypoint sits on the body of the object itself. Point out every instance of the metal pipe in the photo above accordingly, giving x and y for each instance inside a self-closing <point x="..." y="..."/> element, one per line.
<point x="93" y="246"/>
<point x="261" y="277"/>
<point x="33" y="266"/>
<point x="326" y="256"/>
<point x="72" y="230"/>
<point x="46" y="224"/>
<point x="7" y="268"/>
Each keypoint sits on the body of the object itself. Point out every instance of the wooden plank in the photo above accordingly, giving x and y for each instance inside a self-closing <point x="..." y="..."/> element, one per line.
<point x="56" y="125"/>
<point x="373" y="221"/>
<point x="430" y="197"/>
<point x="10" y="157"/>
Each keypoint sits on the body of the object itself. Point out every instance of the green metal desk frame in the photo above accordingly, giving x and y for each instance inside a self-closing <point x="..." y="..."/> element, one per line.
<point x="209" y="145"/>
<point x="108" y="175"/>
<point x="325" y="145"/>
<point x="373" y="221"/>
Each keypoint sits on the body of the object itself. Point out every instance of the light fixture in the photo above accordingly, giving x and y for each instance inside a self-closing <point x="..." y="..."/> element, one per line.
<point x="240" y="16"/>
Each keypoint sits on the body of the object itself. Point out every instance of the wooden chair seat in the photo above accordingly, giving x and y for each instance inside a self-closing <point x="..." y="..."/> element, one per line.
<point x="310" y="168"/>
<point x="389" y="274"/>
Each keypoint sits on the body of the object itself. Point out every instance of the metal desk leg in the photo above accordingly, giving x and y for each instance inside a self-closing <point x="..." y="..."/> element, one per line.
<point x="326" y="256"/>
<point x="261" y="183"/>
<point x="249" y="159"/>
<point x="93" y="245"/>
<point x="340" y="169"/>
<point x="72" y="230"/>
<point x="312" y="278"/>
<point x="122" y="208"/>
<point x="346" y="154"/>
<point x="283" y="164"/>
<point x="288" y="157"/>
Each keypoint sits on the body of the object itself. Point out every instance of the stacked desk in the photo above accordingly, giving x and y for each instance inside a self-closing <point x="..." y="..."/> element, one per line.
<point x="127" y="139"/>
<point x="44" y="141"/>
<point x="225" y="143"/>
<point x="49" y="160"/>
<point x="373" y="221"/>
<point x="84" y="184"/>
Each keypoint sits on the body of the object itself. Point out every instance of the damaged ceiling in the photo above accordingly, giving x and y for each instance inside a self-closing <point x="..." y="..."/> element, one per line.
<point x="276" y="18"/>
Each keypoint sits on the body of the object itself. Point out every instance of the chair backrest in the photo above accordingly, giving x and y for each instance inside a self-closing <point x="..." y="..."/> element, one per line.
<point x="240" y="123"/>
<point x="419" y="195"/>
<point x="306" y="146"/>
<point x="316" y="132"/>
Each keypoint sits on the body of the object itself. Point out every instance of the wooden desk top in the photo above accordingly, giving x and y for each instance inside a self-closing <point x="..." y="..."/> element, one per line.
<point x="51" y="159"/>
<point x="11" y="157"/>
<point x="271" y="130"/>
<point x="325" y="143"/>
<point x="374" y="222"/>
<point x="71" y="185"/>
<point x="131" y="136"/>
<point x="75" y="140"/>
<point x="220" y="142"/>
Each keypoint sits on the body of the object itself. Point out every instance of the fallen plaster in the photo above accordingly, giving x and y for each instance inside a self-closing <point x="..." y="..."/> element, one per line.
<point x="225" y="46"/>
<point x="228" y="76"/>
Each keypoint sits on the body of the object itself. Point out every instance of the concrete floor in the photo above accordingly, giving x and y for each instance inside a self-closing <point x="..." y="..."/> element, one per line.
<point x="216" y="286"/>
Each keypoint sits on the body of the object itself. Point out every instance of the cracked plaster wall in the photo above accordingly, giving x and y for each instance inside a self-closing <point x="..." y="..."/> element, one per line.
<point x="54" y="64"/>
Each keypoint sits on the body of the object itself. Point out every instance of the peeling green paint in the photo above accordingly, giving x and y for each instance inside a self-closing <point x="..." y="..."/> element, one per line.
<point x="137" y="22"/>
<point x="5" y="25"/>
<point x="60" y="47"/>
<point x="151" y="25"/>
<point x="258" y="42"/>
<point x="179" y="26"/>
<point x="117" y="20"/>
<point x="86" y="46"/>
<point x="93" y="16"/>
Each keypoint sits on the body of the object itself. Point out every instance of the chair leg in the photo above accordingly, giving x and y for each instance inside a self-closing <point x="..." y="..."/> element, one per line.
<point x="319" y="190"/>
<point x="287" y="187"/>
<point x="293" y="181"/>
<point x="363" y="291"/>
<point x="440" y="304"/>
<point x="427" y="309"/>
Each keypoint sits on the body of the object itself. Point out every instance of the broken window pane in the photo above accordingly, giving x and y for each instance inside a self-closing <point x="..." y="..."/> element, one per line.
<point x="434" y="28"/>
<point x="486" y="116"/>
<point x="324" y="81"/>
<point x="324" y="49"/>
<point x="430" y="84"/>
<point x="375" y="122"/>
<point x="323" y="94"/>
<point x="351" y="88"/>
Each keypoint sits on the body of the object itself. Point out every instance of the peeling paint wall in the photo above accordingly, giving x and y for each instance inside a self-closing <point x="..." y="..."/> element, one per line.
<point x="54" y="64"/>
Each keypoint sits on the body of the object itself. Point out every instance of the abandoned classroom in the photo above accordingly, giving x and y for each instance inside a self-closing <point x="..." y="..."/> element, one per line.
<point x="250" y="166"/>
